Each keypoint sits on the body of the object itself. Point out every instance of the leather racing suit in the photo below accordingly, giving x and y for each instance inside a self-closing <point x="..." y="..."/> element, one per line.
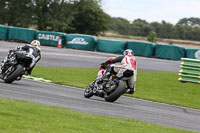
<point x="30" y="51"/>
<point x="127" y="67"/>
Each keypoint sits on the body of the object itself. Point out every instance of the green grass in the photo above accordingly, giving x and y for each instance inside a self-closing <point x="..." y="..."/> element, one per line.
<point x="156" y="86"/>
<point x="165" y="87"/>
<point x="26" y="117"/>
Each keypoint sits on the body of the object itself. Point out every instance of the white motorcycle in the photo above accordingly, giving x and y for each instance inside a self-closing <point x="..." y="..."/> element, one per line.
<point x="110" y="89"/>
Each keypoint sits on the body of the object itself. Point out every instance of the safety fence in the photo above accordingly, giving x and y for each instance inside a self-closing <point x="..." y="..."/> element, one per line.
<point x="141" y="48"/>
<point x="81" y="42"/>
<point x="111" y="46"/>
<point x="169" y="52"/>
<point x="50" y="38"/>
<point x="3" y="32"/>
<point x="22" y="34"/>
<point x="190" y="70"/>
<point x="89" y="42"/>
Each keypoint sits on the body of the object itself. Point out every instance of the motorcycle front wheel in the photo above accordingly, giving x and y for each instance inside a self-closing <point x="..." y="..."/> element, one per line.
<point x="14" y="74"/>
<point x="89" y="91"/>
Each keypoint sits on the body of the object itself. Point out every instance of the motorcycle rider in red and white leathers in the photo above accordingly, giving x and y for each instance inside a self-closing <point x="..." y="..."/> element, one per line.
<point x="127" y="67"/>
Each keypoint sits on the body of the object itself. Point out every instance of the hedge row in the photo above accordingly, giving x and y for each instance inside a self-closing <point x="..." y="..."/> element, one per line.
<point x="88" y="42"/>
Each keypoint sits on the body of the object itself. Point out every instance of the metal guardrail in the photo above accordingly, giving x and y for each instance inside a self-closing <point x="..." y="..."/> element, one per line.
<point x="190" y="70"/>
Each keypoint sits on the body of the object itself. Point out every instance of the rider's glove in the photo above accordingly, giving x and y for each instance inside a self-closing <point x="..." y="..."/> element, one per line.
<point x="103" y="65"/>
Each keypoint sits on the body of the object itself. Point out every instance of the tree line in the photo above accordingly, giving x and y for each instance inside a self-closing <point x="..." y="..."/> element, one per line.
<point x="184" y="29"/>
<point x="87" y="17"/>
<point x="70" y="16"/>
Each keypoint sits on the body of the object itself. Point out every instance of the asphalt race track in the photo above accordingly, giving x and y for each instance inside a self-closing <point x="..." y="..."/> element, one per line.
<point x="55" y="57"/>
<point x="72" y="98"/>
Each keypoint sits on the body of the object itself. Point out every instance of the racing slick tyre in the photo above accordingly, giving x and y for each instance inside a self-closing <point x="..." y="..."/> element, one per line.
<point x="120" y="90"/>
<point x="14" y="75"/>
<point x="89" y="91"/>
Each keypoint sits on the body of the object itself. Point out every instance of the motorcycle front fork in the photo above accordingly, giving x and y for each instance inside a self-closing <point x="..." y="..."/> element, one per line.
<point x="98" y="89"/>
<point x="2" y="64"/>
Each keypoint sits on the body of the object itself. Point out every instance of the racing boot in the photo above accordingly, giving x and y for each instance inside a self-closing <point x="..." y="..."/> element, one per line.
<point x="130" y="90"/>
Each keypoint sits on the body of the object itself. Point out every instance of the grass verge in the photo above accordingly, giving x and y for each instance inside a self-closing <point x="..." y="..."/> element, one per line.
<point x="156" y="86"/>
<point x="26" y="117"/>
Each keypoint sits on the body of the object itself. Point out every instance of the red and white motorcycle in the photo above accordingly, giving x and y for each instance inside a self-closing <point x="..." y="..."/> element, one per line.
<point x="110" y="89"/>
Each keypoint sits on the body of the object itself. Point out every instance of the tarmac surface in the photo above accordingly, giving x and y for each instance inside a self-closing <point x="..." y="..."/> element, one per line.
<point x="72" y="98"/>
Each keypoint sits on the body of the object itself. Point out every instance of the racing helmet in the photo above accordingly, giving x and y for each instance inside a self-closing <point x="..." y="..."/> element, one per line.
<point x="128" y="52"/>
<point x="36" y="44"/>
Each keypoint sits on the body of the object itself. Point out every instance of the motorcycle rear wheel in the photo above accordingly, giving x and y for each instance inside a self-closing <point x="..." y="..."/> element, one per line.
<point x="113" y="96"/>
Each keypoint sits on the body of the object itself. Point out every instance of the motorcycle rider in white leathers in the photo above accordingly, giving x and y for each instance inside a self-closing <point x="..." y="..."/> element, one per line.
<point x="32" y="50"/>
<point x="127" y="67"/>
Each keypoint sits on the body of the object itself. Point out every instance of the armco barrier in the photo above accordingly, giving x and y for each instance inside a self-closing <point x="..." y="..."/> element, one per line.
<point x="3" y="32"/>
<point x="80" y="41"/>
<point x="169" y="51"/>
<point x="141" y="48"/>
<point x="111" y="46"/>
<point x="22" y="34"/>
<point x="190" y="70"/>
<point x="50" y="38"/>
<point x="192" y="53"/>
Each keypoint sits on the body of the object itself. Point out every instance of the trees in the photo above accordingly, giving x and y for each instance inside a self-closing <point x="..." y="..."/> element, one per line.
<point x="78" y="16"/>
<point x="120" y="25"/>
<point x="2" y="11"/>
<point x="152" y="37"/>
<point x="138" y="27"/>
<point x="15" y="13"/>
<point x="189" y="21"/>
<point x="52" y="15"/>
<point x="180" y="32"/>
<point x="186" y="29"/>
<point x="141" y="27"/>
<point x="89" y="18"/>
<point x="42" y="13"/>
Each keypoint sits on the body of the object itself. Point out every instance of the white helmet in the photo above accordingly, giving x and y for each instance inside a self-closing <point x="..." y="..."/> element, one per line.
<point x="36" y="44"/>
<point x="128" y="52"/>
